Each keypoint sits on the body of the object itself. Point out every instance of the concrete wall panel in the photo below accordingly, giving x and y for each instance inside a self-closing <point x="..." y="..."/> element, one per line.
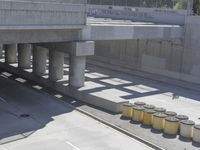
<point x="179" y="59"/>
<point x="191" y="57"/>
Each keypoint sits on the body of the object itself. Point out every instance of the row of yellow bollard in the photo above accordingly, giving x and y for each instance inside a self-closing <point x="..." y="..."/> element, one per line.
<point x="160" y="119"/>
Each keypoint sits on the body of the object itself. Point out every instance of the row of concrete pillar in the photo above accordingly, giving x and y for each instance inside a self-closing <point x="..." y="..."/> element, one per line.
<point x="56" y="62"/>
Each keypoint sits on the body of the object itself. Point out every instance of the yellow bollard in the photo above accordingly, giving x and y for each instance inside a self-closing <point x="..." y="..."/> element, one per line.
<point x="127" y="110"/>
<point x="148" y="117"/>
<point x="160" y="109"/>
<point x="171" y="125"/>
<point x="196" y="133"/>
<point x="159" y="121"/>
<point x="181" y="118"/>
<point x="170" y="113"/>
<point x="186" y="128"/>
<point x="138" y="113"/>
<point x="149" y="106"/>
<point x="139" y="103"/>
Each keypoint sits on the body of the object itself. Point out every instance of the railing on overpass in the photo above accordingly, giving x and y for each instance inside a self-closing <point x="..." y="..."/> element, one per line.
<point x="159" y="11"/>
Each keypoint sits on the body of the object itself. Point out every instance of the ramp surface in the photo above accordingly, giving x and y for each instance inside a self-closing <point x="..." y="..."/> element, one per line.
<point x="52" y="124"/>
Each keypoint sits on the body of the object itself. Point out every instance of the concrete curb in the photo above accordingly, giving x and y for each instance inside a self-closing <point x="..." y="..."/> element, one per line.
<point x="146" y="142"/>
<point x="107" y="104"/>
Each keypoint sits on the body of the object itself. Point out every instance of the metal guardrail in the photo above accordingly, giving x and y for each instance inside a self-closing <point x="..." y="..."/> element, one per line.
<point x="173" y="4"/>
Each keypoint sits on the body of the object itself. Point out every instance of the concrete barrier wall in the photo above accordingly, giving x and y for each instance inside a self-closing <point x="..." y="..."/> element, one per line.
<point x="53" y="1"/>
<point x="41" y="13"/>
<point x="157" y="15"/>
<point x="178" y="59"/>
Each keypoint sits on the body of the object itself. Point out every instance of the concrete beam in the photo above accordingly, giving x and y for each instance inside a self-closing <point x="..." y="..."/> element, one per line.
<point x="56" y="62"/>
<point x="130" y="31"/>
<point x="80" y="48"/>
<point x="11" y="53"/>
<point x="39" y="60"/>
<point x="24" y="56"/>
<point x="40" y="35"/>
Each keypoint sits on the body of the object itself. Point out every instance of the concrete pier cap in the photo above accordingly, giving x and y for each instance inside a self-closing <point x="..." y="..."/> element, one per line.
<point x="82" y="48"/>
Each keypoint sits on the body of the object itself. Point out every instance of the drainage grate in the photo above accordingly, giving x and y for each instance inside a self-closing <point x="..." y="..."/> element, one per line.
<point x="24" y="116"/>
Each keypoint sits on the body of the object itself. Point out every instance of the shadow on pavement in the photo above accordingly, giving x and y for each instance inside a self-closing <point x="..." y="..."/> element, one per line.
<point x="24" y="111"/>
<point x="169" y="136"/>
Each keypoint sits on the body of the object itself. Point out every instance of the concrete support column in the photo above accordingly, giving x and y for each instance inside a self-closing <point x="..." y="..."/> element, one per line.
<point x="24" y="56"/>
<point x="39" y="60"/>
<point x="77" y="71"/>
<point x="11" y="53"/>
<point x="78" y="52"/>
<point x="56" y="62"/>
<point x="1" y="50"/>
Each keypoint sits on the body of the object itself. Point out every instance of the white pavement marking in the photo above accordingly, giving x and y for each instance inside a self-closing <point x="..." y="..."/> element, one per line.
<point x="72" y="145"/>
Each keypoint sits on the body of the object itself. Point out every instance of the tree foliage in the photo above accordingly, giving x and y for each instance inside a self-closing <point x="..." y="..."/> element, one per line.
<point x="196" y="7"/>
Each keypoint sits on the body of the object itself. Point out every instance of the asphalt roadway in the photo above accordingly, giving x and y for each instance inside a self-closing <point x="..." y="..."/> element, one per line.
<point x="34" y="120"/>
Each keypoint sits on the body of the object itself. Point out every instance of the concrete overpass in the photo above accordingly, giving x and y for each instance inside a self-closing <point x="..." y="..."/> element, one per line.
<point x="38" y="29"/>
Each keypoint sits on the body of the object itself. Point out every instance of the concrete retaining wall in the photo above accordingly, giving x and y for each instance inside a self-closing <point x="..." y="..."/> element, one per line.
<point x="191" y="56"/>
<point x="176" y="59"/>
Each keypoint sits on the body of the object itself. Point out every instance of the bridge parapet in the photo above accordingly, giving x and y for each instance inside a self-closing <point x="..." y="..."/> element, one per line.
<point x="157" y="11"/>
<point x="170" y="4"/>
<point x="156" y="15"/>
<point x="39" y="14"/>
